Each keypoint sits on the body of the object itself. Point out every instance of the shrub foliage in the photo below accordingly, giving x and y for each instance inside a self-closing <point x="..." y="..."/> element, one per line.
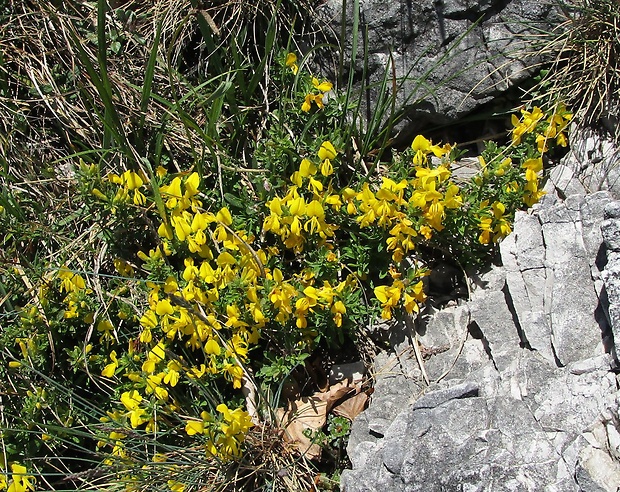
<point x="166" y="275"/>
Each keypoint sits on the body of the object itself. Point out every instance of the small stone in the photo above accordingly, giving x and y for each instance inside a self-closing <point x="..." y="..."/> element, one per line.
<point x="612" y="210"/>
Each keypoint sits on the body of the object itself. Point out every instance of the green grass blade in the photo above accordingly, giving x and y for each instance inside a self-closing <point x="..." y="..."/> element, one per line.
<point x="354" y="48"/>
<point x="148" y="77"/>
<point x="110" y="119"/>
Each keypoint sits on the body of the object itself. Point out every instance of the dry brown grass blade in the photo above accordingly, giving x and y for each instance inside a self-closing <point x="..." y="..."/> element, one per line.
<point x="51" y="97"/>
<point x="584" y="54"/>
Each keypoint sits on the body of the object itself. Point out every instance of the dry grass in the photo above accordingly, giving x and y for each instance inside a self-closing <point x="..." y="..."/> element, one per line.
<point x="48" y="102"/>
<point x="268" y="464"/>
<point x="48" y="111"/>
<point x="584" y="52"/>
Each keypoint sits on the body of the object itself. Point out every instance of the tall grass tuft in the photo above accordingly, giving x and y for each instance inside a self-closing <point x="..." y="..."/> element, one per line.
<point x="584" y="69"/>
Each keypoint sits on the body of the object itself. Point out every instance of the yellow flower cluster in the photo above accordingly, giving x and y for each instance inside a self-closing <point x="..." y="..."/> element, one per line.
<point x="224" y="435"/>
<point x="534" y="121"/>
<point x="391" y="297"/>
<point x="534" y="131"/>
<point x="318" y="90"/>
<point x="409" y="208"/>
<point x="526" y="124"/>
<point x="545" y="128"/>
<point x="532" y="192"/>
<point x="316" y="97"/>
<point x="293" y="217"/>
<point x="189" y="310"/>
<point x="129" y="181"/>
<point x="228" y="291"/>
<point x="496" y="227"/>
<point x="74" y="286"/>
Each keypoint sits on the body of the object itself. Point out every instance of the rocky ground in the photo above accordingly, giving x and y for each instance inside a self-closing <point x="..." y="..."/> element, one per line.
<point x="522" y="390"/>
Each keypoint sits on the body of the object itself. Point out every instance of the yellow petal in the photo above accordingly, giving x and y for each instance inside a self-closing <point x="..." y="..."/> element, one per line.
<point x="191" y="185"/>
<point x="212" y="347"/>
<point x="327" y="151"/>
<point x="291" y="59"/>
<point x="420" y="143"/>
<point x="224" y="216"/>
<point x="306" y="168"/>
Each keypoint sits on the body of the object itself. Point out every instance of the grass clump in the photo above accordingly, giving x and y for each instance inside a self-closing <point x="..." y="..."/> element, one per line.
<point x="583" y="71"/>
<point x="199" y="248"/>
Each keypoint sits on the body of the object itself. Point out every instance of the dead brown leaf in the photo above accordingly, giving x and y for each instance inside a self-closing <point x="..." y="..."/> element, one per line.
<point x="336" y="393"/>
<point x="310" y="413"/>
<point x="351" y="407"/>
<point x="305" y="413"/>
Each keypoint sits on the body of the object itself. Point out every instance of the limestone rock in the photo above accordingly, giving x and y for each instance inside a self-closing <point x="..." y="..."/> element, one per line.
<point x="552" y="263"/>
<point x="523" y="396"/>
<point x="449" y="56"/>
<point x="610" y="229"/>
<point x="594" y="160"/>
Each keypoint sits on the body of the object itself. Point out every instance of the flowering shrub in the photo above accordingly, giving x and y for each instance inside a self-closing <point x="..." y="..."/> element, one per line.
<point x="174" y="340"/>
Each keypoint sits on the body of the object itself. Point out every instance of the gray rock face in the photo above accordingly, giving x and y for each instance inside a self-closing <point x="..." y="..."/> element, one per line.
<point x="523" y="393"/>
<point x="450" y="56"/>
<point x="594" y="161"/>
<point x="611" y="274"/>
<point x="553" y="278"/>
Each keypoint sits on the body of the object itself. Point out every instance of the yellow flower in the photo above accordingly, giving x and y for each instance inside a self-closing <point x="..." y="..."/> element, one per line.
<point x="156" y="355"/>
<point x="291" y="62"/>
<point x="173" y="192"/>
<point x="503" y="167"/>
<point x="425" y="175"/>
<point x="105" y="327"/>
<point x="486" y="226"/>
<point x="307" y="104"/>
<point x="110" y="369"/>
<point x="388" y="296"/>
<point x="21" y="481"/>
<point x="212" y="347"/>
<point x="532" y="168"/>
<point x="324" y="86"/>
<point x="173" y="373"/>
<point x="316" y="223"/>
<point x="198" y="426"/>
<point x="224" y="217"/>
<point x="131" y="180"/>
<point x="153" y="385"/>
<point x="191" y="185"/>
<point x="526" y="124"/>
<point x="131" y="401"/>
<point x="422" y="147"/>
<point x="233" y="373"/>
<point x="307" y="168"/>
<point x="326" y="168"/>
<point x="452" y="199"/>
<point x="327" y="151"/>
<point x="239" y="421"/>
<point x="532" y="193"/>
<point x="164" y="307"/>
<point x="176" y="486"/>
<point x="338" y="309"/>
<point x="413" y="296"/>
<point x="123" y="267"/>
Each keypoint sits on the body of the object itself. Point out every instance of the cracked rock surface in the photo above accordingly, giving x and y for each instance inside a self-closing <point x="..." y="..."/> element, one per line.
<point x="524" y="394"/>
<point x="428" y="43"/>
